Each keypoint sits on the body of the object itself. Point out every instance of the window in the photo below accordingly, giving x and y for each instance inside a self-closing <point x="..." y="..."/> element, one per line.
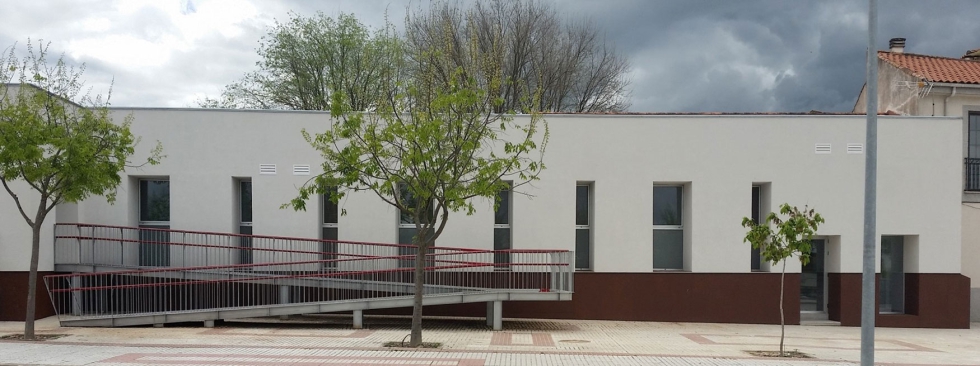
<point x="501" y="229"/>
<point x="757" y="218"/>
<point x="328" y="229"/>
<point x="245" y="221"/>
<point x="668" y="229"/>
<point x="973" y="150"/>
<point x="406" y="225"/>
<point x="972" y="161"/>
<point x="583" y="227"/>
<point x="891" y="289"/>
<point x="154" y="214"/>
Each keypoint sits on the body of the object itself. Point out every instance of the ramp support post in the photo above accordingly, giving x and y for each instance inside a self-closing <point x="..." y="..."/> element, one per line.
<point x="76" y="301"/>
<point x="283" y="298"/>
<point x="358" y="319"/>
<point x="495" y="314"/>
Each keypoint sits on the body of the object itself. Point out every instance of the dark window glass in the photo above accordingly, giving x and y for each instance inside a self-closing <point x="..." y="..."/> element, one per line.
<point x="502" y="214"/>
<point x="583" y="250"/>
<point x="331" y="210"/>
<point x="245" y="242"/>
<point x="812" y="284"/>
<point x="406" y="236"/>
<point x="891" y="297"/>
<point x="974" y="138"/>
<point x="245" y="187"/>
<point x="501" y="241"/>
<point x="155" y="200"/>
<point x="667" y="206"/>
<point x="581" y="205"/>
<point x="756" y="217"/>
<point x="329" y="248"/>
<point x="154" y="249"/>
<point x="668" y="249"/>
<point x="408" y="200"/>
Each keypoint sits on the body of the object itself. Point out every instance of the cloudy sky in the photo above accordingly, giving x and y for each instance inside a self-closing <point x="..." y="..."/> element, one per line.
<point x="687" y="55"/>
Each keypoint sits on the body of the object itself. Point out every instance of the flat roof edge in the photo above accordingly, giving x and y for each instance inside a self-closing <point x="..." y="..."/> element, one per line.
<point x="561" y="115"/>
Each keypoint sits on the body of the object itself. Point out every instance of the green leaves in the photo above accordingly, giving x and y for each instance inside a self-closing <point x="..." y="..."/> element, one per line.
<point x="442" y="142"/>
<point x="316" y="63"/>
<point x="62" y="143"/>
<point x="779" y="238"/>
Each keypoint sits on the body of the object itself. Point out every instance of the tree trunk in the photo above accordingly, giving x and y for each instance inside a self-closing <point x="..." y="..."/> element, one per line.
<point x="32" y="282"/>
<point x="416" y="339"/>
<point x="782" y="316"/>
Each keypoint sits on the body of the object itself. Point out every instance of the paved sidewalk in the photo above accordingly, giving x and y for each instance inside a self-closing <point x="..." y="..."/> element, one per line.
<point x="329" y="340"/>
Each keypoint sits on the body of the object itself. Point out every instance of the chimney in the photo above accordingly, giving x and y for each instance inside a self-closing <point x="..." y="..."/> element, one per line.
<point x="972" y="55"/>
<point x="896" y="45"/>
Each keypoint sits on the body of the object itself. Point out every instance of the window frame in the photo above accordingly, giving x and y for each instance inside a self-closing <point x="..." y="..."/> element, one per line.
<point x="504" y="258"/>
<point x="881" y="283"/>
<point x="245" y="256"/>
<point x="329" y="245"/>
<point x="150" y="254"/>
<point x="973" y="135"/>
<point x="680" y="228"/>
<point x="755" y="254"/>
<point x="404" y="251"/>
<point x="140" y="208"/>
<point x="589" y="223"/>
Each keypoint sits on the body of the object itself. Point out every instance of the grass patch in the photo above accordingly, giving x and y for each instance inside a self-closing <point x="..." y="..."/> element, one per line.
<point x="37" y="337"/>
<point x="786" y="354"/>
<point x="405" y="345"/>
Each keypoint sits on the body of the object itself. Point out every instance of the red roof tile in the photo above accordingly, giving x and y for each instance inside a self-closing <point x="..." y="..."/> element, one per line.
<point x="935" y="68"/>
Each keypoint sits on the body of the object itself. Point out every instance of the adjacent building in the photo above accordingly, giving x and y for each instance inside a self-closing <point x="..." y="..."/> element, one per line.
<point x="923" y="85"/>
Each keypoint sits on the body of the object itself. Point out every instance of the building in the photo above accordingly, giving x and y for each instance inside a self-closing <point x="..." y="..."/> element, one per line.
<point x="922" y="85"/>
<point x="652" y="205"/>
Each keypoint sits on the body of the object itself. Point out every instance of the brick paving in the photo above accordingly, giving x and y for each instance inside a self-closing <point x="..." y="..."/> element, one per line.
<point x="329" y="340"/>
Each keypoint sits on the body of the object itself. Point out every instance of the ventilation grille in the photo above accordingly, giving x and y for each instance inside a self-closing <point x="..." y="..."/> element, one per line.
<point x="855" y="148"/>
<point x="267" y="169"/>
<point x="301" y="170"/>
<point x="821" y="149"/>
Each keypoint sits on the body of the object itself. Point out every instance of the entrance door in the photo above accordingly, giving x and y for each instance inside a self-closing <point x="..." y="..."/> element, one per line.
<point x="813" y="280"/>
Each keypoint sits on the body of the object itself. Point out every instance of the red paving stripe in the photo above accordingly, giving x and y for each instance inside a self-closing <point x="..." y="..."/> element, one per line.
<point x="262" y="360"/>
<point x="702" y="339"/>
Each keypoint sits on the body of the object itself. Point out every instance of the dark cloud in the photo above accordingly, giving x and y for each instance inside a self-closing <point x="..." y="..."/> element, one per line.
<point x="695" y="55"/>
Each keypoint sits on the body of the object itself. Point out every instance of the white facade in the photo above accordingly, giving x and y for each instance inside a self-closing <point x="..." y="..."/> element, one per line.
<point x="717" y="159"/>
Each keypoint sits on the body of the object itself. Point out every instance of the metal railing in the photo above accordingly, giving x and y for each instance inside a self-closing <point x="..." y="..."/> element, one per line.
<point x="202" y="271"/>
<point x="971" y="167"/>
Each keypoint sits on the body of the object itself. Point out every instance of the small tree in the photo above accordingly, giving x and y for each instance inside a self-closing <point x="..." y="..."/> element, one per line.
<point x="780" y="238"/>
<point x="57" y="140"/>
<point x="432" y="146"/>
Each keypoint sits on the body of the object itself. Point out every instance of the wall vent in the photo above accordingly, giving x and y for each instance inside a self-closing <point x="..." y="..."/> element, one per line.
<point x="855" y="148"/>
<point x="821" y="148"/>
<point x="267" y="169"/>
<point x="301" y="170"/>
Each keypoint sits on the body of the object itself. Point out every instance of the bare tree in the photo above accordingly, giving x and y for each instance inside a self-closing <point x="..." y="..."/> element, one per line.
<point x="567" y="61"/>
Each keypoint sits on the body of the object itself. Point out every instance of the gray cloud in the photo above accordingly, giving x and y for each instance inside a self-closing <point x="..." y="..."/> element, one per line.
<point x="697" y="55"/>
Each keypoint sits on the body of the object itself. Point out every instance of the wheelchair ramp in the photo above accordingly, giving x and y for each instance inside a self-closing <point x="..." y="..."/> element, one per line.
<point x="131" y="276"/>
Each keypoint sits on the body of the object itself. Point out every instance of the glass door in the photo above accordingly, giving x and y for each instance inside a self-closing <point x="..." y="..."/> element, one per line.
<point x="813" y="280"/>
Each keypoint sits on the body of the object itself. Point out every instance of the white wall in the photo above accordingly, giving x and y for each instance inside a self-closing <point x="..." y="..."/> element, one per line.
<point x="15" y="234"/>
<point x="718" y="157"/>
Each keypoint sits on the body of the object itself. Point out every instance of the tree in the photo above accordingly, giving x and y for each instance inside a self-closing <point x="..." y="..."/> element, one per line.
<point x="781" y="238"/>
<point x="430" y="148"/>
<point x="306" y="59"/>
<point x="57" y="140"/>
<point x="567" y="60"/>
